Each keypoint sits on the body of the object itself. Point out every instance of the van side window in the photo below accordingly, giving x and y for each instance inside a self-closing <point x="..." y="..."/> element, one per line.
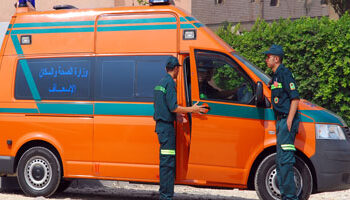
<point x="54" y="78"/>
<point x="221" y="79"/>
<point x="128" y="78"/>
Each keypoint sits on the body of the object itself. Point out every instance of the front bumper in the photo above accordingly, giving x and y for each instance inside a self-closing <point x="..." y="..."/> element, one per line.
<point x="332" y="165"/>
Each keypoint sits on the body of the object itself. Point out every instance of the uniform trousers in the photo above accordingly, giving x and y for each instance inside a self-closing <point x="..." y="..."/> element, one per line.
<point x="167" y="141"/>
<point x="285" y="159"/>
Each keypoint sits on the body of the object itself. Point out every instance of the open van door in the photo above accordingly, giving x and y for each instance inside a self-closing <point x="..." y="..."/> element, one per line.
<point x="224" y="139"/>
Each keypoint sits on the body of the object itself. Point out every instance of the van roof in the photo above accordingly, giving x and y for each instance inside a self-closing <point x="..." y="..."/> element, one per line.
<point x="81" y="27"/>
<point x="96" y="11"/>
<point x="78" y="14"/>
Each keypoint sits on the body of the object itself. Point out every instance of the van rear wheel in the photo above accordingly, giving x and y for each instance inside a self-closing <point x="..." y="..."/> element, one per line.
<point x="38" y="172"/>
<point x="266" y="184"/>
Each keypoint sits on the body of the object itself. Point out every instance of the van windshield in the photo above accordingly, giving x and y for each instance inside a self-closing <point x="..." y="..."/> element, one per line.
<point x="264" y="77"/>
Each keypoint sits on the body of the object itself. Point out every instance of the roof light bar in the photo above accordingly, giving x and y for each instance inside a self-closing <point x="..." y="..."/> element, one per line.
<point x="23" y="3"/>
<point x="157" y="2"/>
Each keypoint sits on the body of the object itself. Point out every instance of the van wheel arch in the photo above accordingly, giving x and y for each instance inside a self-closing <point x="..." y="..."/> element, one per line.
<point x="270" y="150"/>
<point x="37" y="143"/>
<point x="308" y="162"/>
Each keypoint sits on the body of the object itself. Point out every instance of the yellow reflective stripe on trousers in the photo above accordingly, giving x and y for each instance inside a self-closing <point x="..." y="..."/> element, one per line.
<point x="279" y="85"/>
<point x="288" y="147"/>
<point x="167" y="152"/>
<point x="160" y="88"/>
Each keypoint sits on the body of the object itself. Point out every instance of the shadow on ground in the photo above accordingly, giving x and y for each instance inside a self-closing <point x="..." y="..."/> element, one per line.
<point x="96" y="190"/>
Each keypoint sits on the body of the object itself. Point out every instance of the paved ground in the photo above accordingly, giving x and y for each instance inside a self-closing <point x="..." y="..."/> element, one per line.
<point x="108" y="190"/>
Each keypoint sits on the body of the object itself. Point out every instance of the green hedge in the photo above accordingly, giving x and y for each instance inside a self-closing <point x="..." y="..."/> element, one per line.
<point x="317" y="52"/>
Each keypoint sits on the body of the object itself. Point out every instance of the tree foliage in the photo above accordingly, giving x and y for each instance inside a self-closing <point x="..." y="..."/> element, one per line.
<point x="316" y="50"/>
<point x="227" y="78"/>
<point x="142" y="2"/>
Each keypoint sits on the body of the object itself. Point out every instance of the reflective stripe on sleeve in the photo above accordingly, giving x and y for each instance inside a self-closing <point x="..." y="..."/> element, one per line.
<point x="167" y="152"/>
<point x="160" y="88"/>
<point x="288" y="147"/>
<point x="279" y="85"/>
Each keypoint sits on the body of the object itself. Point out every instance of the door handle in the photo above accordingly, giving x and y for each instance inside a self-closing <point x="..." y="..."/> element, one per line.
<point x="206" y="106"/>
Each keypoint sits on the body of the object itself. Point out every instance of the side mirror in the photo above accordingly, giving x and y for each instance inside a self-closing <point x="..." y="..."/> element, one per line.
<point x="259" y="97"/>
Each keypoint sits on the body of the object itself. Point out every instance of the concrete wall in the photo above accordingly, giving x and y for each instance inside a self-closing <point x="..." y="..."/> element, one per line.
<point x="332" y="13"/>
<point x="185" y="5"/>
<point x="3" y="29"/>
<point x="247" y="11"/>
<point x="209" y="13"/>
<point x="7" y="9"/>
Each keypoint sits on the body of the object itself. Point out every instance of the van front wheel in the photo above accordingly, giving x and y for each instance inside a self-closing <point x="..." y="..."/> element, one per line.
<point x="266" y="184"/>
<point x="38" y="172"/>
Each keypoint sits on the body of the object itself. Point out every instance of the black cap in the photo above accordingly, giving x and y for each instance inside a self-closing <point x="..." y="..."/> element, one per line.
<point x="172" y="62"/>
<point x="275" y="50"/>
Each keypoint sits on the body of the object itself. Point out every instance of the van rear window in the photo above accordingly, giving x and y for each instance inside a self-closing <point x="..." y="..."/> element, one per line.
<point x="112" y="78"/>
<point x="128" y="78"/>
<point x="54" y="79"/>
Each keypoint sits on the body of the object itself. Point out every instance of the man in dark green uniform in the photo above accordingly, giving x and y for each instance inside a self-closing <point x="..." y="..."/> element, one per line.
<point x="165" y="109"/>
<point x="206" y="91"/>
<point x="285" y="100"/>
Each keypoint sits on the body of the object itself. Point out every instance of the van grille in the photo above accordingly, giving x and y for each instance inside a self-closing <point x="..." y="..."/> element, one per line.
<point x="347" y="132"/>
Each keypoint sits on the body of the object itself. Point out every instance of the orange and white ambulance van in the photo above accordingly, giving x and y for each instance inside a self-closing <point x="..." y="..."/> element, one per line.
<point x="76" y="101"/>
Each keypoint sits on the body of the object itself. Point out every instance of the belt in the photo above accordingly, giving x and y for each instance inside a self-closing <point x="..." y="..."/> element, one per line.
<point x="281" y="116"/>
<point x="166" y="122"/>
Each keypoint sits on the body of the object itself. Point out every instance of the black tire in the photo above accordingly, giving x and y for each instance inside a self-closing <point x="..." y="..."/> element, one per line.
<point x="265" y="180"/>
<point x="38" y="172"/>
<point x="64" y="184"/>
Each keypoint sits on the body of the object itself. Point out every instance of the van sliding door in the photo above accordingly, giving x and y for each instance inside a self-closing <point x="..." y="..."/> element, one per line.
<point x="125" y="142"/>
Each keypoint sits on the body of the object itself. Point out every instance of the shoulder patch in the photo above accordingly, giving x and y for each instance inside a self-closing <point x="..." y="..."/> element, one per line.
<point x="160" y="88"/>
<point x="292" y="86"/>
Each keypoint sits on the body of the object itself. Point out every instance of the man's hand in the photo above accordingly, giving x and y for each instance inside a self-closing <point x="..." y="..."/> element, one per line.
<point x="269" y="84"/>
<point x="181" y="118"/>
<point x="193" y="109"/>
<point x="292" y="111"/>
<point x="198" y="109"/>
<point x="289" y="123"/>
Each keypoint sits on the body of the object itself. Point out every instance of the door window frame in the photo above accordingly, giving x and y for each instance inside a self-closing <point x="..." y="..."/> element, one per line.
<point x="194" y="75"/>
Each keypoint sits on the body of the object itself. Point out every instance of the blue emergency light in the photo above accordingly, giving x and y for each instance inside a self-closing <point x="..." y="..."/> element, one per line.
<point x="32" y="2"/>
<point x="155" y="2"/>
<point x="23" y="3"/>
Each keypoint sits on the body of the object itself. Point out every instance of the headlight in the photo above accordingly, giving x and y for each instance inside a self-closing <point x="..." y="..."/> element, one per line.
<point x="329" y="132"/>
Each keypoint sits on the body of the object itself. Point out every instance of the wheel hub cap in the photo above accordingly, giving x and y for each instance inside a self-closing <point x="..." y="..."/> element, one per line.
<point x="272" y="182"/>
<point x="38" y="173"/>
